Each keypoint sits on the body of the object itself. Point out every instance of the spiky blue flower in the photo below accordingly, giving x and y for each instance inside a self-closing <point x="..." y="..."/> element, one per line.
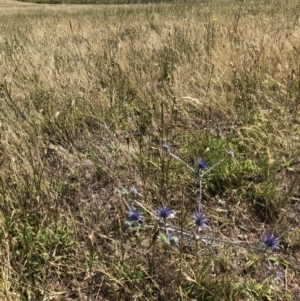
<point x="134" y="216"/>
<point x="202" y="165"/>
<point x="133" y="191"/>
<point x="230" y="153"/>
<point x="166" y="147"/>
<point x="271" y="241"/>
<point x="163" y="212"/>
<point x="200" y="221"/>
<point x="173" y="240"/>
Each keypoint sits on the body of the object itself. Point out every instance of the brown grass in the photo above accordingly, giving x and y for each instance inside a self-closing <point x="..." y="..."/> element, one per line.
<point x="12" y="3"/>
<point x="88" y="94"/>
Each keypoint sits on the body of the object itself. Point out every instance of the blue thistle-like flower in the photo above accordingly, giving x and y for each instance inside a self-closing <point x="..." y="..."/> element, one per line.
<point x="202" y="165"/>
<point x="230" y="153"/>
<point x="166" y="147"/>
<point x="173" y="240"/>
<point x="135" y="217"/>
<point x="199" y="221"/>
<point x="271" y="241"/>
<point x="133" y="191"/>
<point x="164" y="212"/>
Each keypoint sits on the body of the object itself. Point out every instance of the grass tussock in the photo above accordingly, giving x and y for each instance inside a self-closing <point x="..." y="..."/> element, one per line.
<point x="88" y="96"/>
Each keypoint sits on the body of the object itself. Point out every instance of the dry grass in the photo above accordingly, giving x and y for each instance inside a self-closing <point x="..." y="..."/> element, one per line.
<point x="88" y="95"/>
<point x="12" y="3"/>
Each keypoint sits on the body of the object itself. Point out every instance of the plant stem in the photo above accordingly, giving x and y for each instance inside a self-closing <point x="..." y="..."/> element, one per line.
<point x="177" y="158"/>
<point x="200" y="193"/>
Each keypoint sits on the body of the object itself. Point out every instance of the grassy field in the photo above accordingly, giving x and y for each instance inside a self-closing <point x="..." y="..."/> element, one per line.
<point x="98" y="101"/>
<point x="96" y="1"/>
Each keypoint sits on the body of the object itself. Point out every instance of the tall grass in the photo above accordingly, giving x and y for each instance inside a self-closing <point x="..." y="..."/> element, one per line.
<point x="95" y="1"/>
<point x="90" y="94"/>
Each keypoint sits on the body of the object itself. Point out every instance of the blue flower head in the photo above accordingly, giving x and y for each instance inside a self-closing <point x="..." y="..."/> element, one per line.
<point x="164" y="212"/>
<point x="173" y="240"/>
<point x="271" y="241"/>
<point x="166" y="147"/>
<point x="199" y="221"/>
<point x="133" y="191"/>
<point x="202" y="165"/>
<point x="230" y="153"/>
<point x="134" y="217"/>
